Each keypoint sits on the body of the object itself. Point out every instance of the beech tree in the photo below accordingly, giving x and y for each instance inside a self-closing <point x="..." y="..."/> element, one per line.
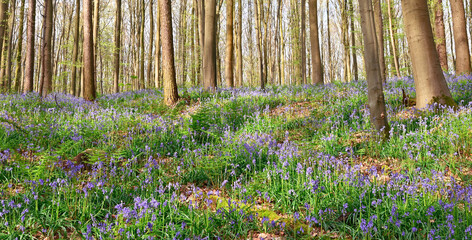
<point x="209" y="46"/>
<point x="171" y="94"/>
<point x="430" y="83"/>
<point x="461" y="42"/>
<point x="46" y="77"/>
<point x="229" y="43"/>
<point x="378" y="112"/>
<point x="317" y="75"/>
<point x="89" y="90"/>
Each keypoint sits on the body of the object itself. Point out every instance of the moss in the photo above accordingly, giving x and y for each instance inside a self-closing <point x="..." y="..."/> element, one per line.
<point x="444" y="100"/>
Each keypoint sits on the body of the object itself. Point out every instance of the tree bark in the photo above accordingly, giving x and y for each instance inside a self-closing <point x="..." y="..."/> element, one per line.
<point x="209" y="46"/>
<point x="4" y="4"/>
<point x="229" y="72"/>
<point x="5" y="74"/>
<point x="392" y="40"/>
<point x="151" y="43"/>
<point x="440" y="34"/>
<point x="353" y="42"/>
<point x="378" y="113"/>
<point x="96" y="25"/>
<point x="303" y="41"/>
<point x="141" y="76"/>
<point x="157" y="68"/>
<point x="29" y="63"/>
<point x="20" y="48"/>
<point x="239" y="54"/>
<point x="170" y="85"/>
<point x="183" y="40"/>
<point x="89" y="89"/>
<point x="460" y="37"/>
<point x="259" y="42"/>
<point x="429" y="80"/>
<point x="380" y="38"/>
<point x="47" y="50"/>
<point x="201" y="29"/>
<point x="75" y="51"/>
<point x="317" y="71"/>
<point x="117" y="50"/>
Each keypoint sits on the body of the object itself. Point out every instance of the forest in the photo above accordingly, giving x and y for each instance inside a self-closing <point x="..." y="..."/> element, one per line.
<point x="235" y="119"/>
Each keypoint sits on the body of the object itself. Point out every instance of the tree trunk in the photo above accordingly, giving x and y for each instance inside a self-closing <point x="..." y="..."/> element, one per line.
<point x="29" y="64"/>
<point x="209" y="46"/>
<point x="460" y="37"/>
<point x="378" y="113"/>
<point x="117" y="50"/>
<point x="141" y="76"/>
<point x="20" y="48"/>
<point x="440" y="34"/>
<point x="259" y="42"/>
<point x="229" y="44"/>
<point x="183" y="40"/>
<point x="201" y="29"/>
<point x="239" y="54"/>
<point x="151" y="43"/>
<point x="330" y="61"/>
<point x="392" y="40"/>
<point x="170" y="85"/>
<point x="353" y="42"/>
<point x="47" y="50"/>
<point x="75" y="51"/>
<point x="317" y="74"/>
<point x="303" y="42"/>
<point x="429" y="80"/>
<point x="89" y="89"/>
<point x="5" y="74"/>
<point x="96" y="25"/>
<point x="157" y="68"/>
<point x="4" y="4"/>
<point x="380" y="37"/>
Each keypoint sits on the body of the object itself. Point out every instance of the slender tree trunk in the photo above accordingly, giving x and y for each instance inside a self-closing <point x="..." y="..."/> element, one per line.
<point x="380" y="38"/>
<point x="353" y="42"/>
<point x="392" y="39"/>
<point x="96" y="25"/>
<point x="20" y="48"/>
<point x="209" y="46"/>
<point x="378" y="112"/>
<point x="303" y="41"/>
<point x="201" y="29"/>
<point x="151" y="43"/>
<point x="265" y="15"/>
<point x="142" y="84"/>
<point x="229" y="43"/>
<point x="429" y="81"/>
<point x="29" y="64"/>
<point x="89" y="86"/>
<point x="440" y="34"/>
<point x="170" y="85"/>
<point x="4" y="5"/>
<point x="460" y="37"/>
<point x="330" y="61"/>
<point x="75" y="51"/>
<point x="47" y="50"/>
<point x="317" y="74"/>
<point x="183" y="40"/>
<point x="157" y="68"/>
<point x="117" y="50"/>
<point x="259" y="42"/>
<point x="7" y="50"/>
<point x="239" y="54"/>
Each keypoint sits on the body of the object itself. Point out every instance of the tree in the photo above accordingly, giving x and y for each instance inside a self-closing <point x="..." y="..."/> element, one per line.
<point x="75" y="50"/>
<point x="151" y="40"/>
<point x="117" y="49"/>
<point x="380" y="37"/>
<point x="229" y="43"/>
<point x="89" y="90"/>
<point x="157" y="69"/>
<point x="392" y="40"/>
<point x="429" y="80"/>
<point x="239" y="53"/>
<point x="47" y="50"/>
<point x="171" y="94"/>
<point x="460" y="37"/>
<point x="440" y="34"/>
<point x="303" y="42"/>
<point x="20" y="47"/>
<point x="29" y="63"/>
<point x="317" y="75"/>
<point x="259" y="17"/>
<point x="378" y="112"/>
<point x="209" y="46"/>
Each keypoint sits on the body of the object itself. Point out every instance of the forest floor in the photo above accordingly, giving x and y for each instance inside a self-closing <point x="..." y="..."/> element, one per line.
<point x="295" y="162"/>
